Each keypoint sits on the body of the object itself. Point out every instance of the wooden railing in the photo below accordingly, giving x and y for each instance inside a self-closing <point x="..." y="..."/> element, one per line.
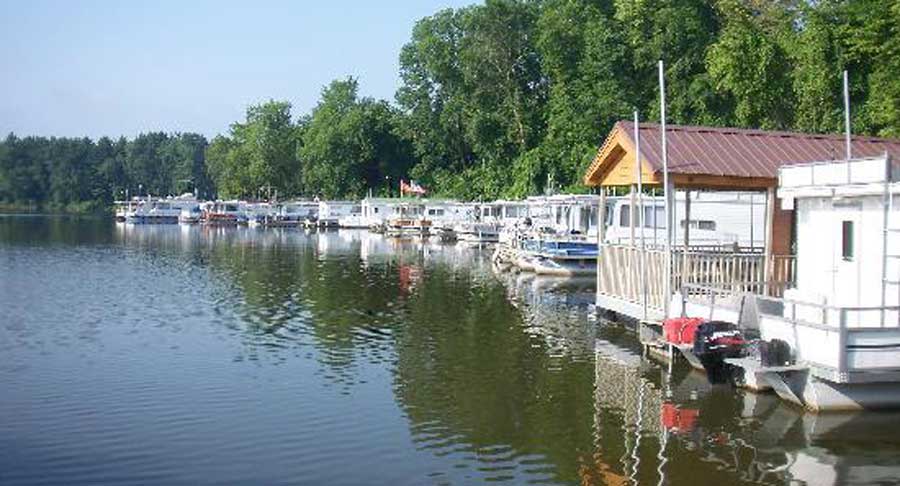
<point x="621" y="274"/>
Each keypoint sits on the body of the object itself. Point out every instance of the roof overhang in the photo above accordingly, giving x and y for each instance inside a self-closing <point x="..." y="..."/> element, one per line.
<point x="615" y="165"/>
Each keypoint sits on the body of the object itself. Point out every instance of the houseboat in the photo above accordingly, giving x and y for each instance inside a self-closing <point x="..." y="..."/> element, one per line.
<point x="331" y="212"/>
<point x="259" y="213"/>
<point x="838" y="324"/>
<point x="564" y="214"/>
<point x="376" y="211"/>
<point x="295" y="213"/>
<point x="223" y="213"/>
<point x="409" y="219"/>
<point x="125" y="208"/>
<point x="490" y="220"/>
<point x="191" y="214"/>
<point x="161" y="211"/>
<point x="735" y="219"/>
<point x="551" y="235"/>
<point x="446" y="216"/>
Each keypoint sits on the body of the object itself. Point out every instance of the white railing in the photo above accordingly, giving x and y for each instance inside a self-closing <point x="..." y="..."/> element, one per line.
<point x="622" y="276"/>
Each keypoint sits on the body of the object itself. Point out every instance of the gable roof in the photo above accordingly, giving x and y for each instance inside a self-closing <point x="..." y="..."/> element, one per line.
<point x="727" y="152"/>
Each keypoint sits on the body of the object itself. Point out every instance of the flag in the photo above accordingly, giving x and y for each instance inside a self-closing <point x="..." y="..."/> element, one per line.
<point x="412" y="187"/>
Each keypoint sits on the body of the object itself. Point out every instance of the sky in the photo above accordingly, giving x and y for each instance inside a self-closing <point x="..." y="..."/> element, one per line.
<point x="111" y="68"/>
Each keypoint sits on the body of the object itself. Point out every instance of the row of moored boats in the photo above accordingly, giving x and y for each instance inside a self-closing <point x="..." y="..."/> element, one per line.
<point x="552" y="235"/>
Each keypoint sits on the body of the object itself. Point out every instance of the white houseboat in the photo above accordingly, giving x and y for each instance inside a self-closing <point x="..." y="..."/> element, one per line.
<point x="376" y="211"/>
<point x="223" y="213"/>
<point x="295" y="213"/>
<point x="716" y="219"/>
<point x="841" y="319"/>
<point x="159" y="211"/>
<point x="446" y="216"/>
<point x="565" y="214"/>
<point x="331" y="212"/>
<point x="491" y="218"/>
<point x="409" y="219"/>
<point x="125" y="208"/>
<point x="259" y="213"/>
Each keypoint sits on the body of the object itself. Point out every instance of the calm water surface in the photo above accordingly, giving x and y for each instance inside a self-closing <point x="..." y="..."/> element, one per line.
<point x="193" y="355"/>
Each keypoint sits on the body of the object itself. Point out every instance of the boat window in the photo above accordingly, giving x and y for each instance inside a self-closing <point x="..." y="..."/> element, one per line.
<point x="230" y="207"/>
<point x="702" y="224"/>
<point x="375" y="210"/>
<point x="847" y="240"/>
<point x="585" y="218"/>
<point x="654" y="217"/>
<point x="435" y="212"/>
<point x="625" y="216"/>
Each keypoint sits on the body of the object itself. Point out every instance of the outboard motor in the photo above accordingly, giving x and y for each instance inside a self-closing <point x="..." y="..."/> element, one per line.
<point x="775" y="352"/>
<point x="714" y="342"/>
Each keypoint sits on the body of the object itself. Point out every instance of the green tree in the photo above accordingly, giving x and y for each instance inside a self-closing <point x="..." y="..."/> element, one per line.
<point x="258" y="156"/>
<point x="748" y="62"/>
<point x="350" y="144"/>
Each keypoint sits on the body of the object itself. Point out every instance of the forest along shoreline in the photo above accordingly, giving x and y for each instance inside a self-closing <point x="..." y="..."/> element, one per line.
<point x="501" y="100"/>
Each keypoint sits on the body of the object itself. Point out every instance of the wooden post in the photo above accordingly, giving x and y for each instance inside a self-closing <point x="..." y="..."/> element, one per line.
<point x="770" y="224"/>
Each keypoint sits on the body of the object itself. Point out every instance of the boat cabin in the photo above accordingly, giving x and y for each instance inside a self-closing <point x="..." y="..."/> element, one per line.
<point x="298" y="211"/>
<point x="847" y="236"/>
<point x="502" y="211"/>
<point x="717" y="219"/>
<point x="565" y="213"/>
<point x="448" y="212"/>
<point x="334" y="210"/>
<point x="377" y="210"/>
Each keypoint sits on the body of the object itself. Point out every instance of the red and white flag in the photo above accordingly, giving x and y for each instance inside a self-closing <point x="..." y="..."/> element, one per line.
<point x="412" y="187"/>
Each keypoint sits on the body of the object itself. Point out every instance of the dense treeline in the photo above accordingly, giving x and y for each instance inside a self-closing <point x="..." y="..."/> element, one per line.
<point x="78" y="174"/>
<point x="504" y="98"/>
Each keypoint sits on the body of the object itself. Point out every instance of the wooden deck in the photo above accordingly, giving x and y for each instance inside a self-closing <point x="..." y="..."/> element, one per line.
<point x="632" y="280"/>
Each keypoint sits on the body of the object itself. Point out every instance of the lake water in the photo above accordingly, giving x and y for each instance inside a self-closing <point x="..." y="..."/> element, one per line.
<point x="193" y="355"/>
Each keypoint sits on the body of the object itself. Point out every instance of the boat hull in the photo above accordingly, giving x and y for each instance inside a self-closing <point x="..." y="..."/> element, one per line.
<point x="801" y="388"/>
<point x="565" y="268"/>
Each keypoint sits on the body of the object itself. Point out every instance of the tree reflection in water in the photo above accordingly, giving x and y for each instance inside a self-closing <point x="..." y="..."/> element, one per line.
<point x="503" y="375"/>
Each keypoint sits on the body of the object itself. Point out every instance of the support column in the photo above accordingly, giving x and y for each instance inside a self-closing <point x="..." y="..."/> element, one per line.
<point x="632" y="213"/>
<point x="685" y="262"/>
<point x="670" y="240"/>
<point x="770" y="224"/>
<point x="601" y="239"/>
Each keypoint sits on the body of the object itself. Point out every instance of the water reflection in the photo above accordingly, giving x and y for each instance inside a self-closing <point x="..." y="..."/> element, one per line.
<point x="411" y="359"/>
<point x="496" y="389"/>
<point x="655" y="427"/>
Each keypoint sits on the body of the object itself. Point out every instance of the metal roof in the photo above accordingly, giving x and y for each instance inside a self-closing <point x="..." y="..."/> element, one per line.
<point x="736" y="152"/>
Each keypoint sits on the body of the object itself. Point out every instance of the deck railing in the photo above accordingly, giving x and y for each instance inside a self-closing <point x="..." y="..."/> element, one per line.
<point x="622" y="275"/>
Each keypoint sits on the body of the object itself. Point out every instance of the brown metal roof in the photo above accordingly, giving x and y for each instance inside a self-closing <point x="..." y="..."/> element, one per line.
<point x="734" y="152"/>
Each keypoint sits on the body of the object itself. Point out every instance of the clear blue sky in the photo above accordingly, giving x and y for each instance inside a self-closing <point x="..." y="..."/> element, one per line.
<point x="92" y="68"/>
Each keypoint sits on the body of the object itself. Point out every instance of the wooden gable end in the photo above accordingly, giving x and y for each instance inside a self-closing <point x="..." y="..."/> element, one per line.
<point x="615" y="164"/>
